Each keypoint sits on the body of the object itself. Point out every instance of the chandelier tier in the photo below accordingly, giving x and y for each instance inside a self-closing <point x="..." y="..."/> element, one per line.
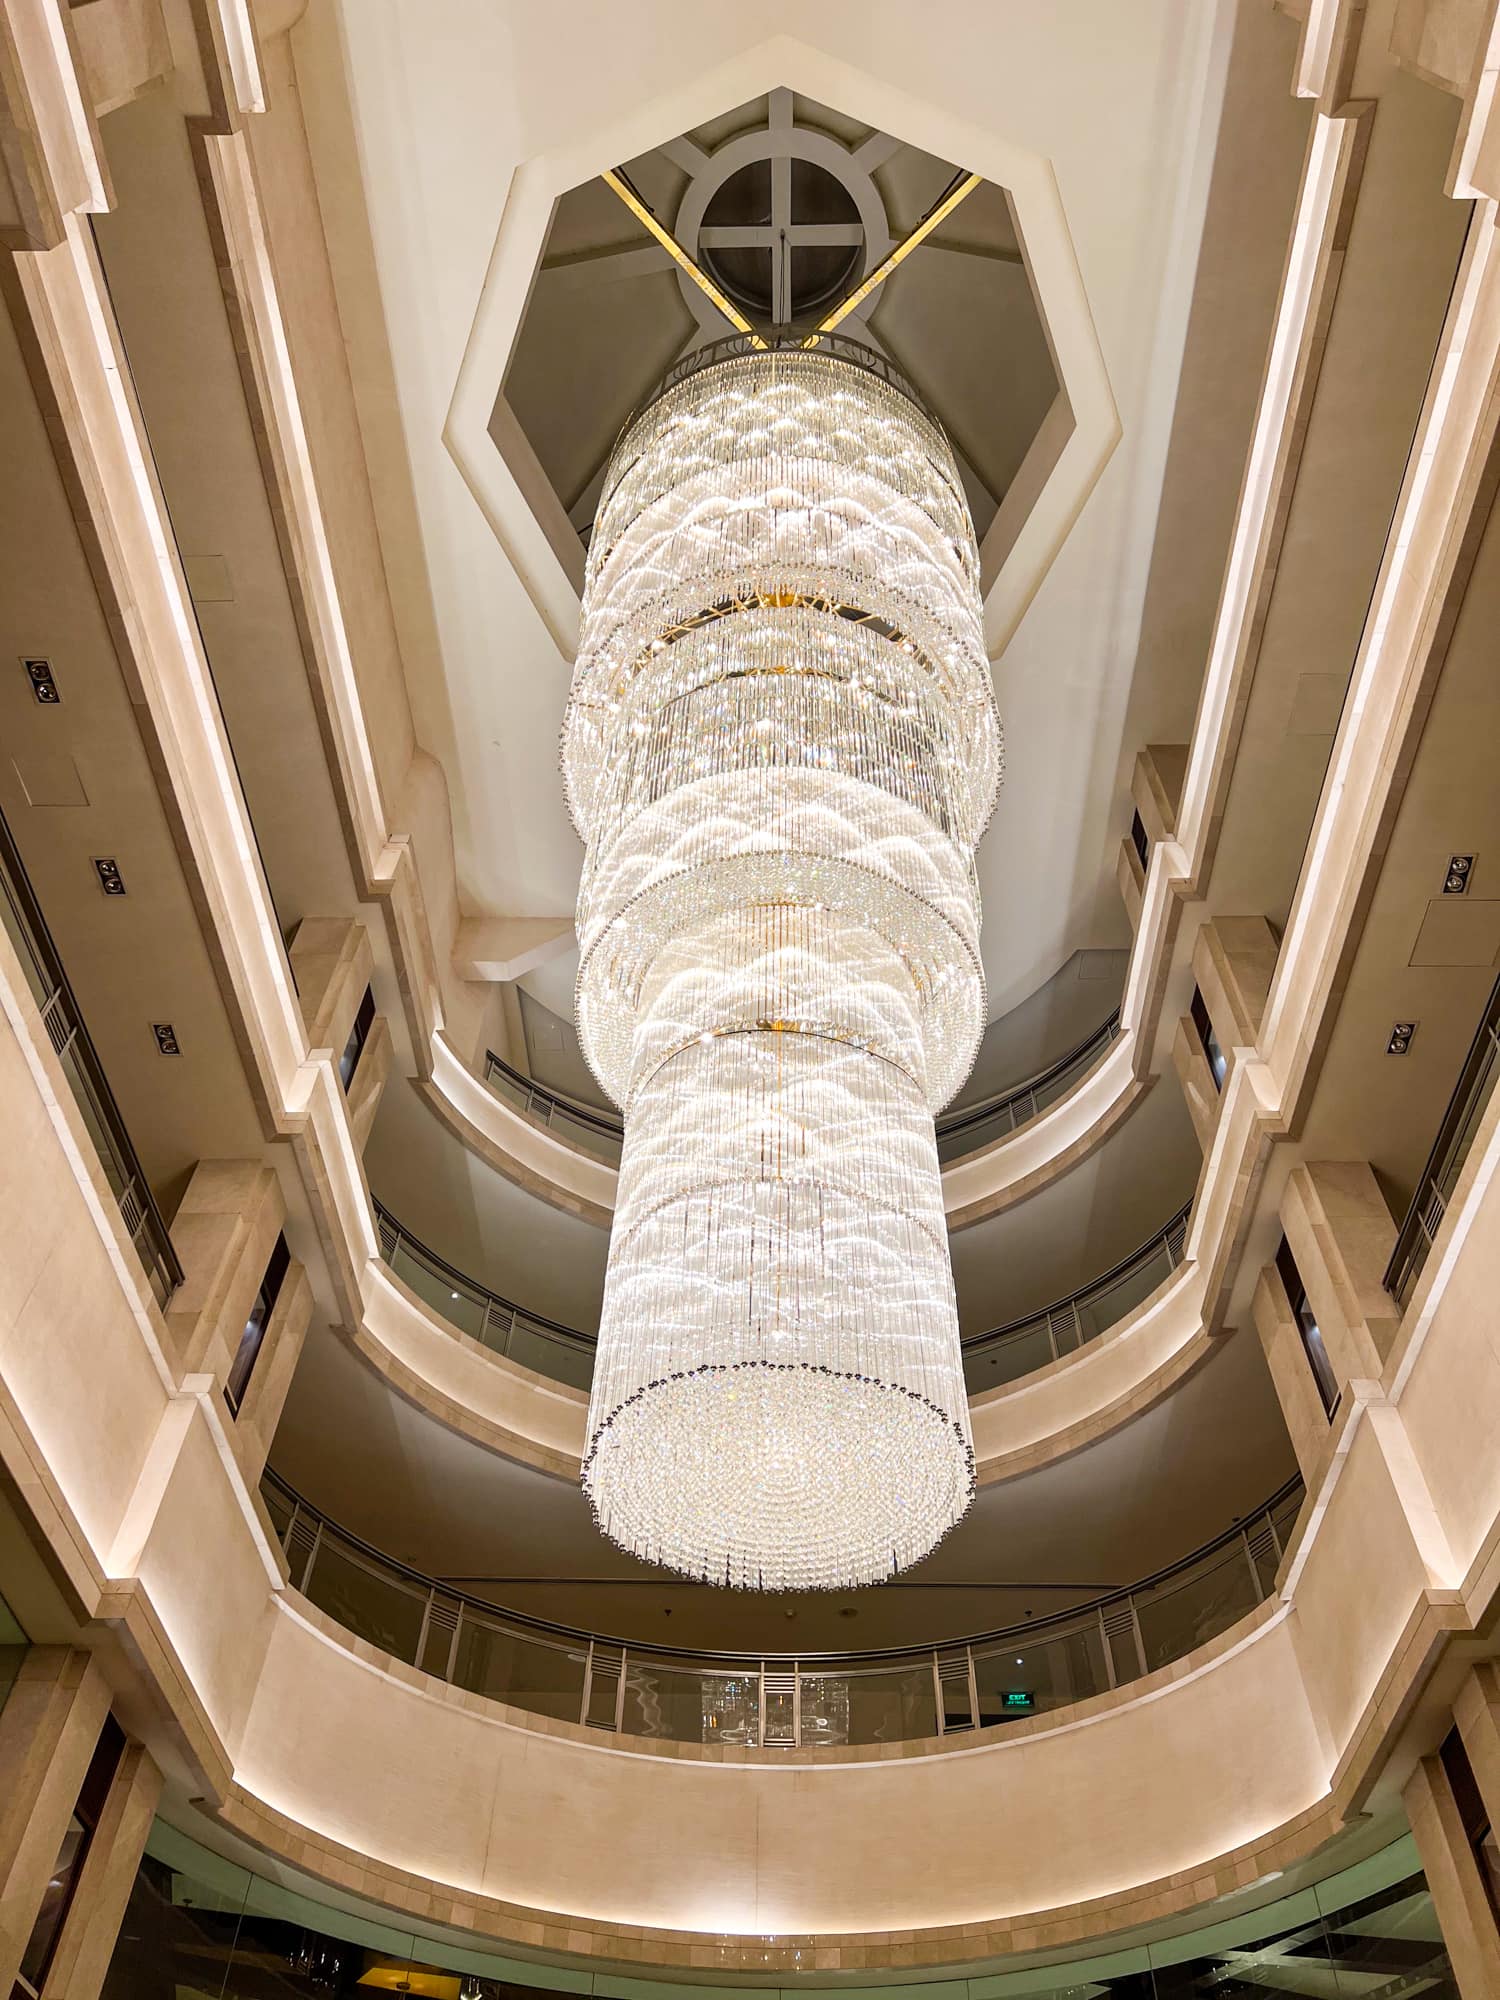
<point x="781" y="748"/>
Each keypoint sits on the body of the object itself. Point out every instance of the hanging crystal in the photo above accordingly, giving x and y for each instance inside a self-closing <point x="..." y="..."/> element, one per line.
<point x="781" y="747"/>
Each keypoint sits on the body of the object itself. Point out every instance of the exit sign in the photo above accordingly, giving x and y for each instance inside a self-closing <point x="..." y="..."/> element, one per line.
<point x="1018" y="1701"/>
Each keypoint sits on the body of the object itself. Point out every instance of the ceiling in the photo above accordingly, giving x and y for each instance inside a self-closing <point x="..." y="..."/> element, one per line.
<point x="609" y="311"/>
<point x="430" y="126"/>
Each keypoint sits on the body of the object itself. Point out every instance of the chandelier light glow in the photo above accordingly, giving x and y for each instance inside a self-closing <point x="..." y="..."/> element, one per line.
<point x="781" y="747"/>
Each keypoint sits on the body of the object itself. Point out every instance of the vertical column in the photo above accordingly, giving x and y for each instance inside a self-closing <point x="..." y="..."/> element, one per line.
<point x="242" y="1311"/>
<point x="48" y="1731"/>
<point x="224" y="1230"/>
<point x="333" y="964"/>
<point x="1342" y="1235"/>
<point x="1459" y="1895"/>
<point x="1291" y="1374"/>
<point x="87" y="1939"/>
<point x="1477" y="1713"/>
<point x="1234" y="961"/>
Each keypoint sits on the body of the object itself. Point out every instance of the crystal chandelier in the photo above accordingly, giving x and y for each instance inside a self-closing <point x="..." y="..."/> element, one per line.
<point x="781" y="747"/>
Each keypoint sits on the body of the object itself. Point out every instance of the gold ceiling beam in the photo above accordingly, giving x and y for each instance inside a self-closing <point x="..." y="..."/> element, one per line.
<point x="958" y="192"/>
<point x="679" y="256"/>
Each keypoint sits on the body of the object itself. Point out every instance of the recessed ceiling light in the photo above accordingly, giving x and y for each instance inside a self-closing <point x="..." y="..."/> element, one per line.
<point x="166" y="1039"/>
<point x="1456" y="881"/>
<point x="110" y="879"/>
<point x="1400" y="1040"/>
<point x="43" y="684"/>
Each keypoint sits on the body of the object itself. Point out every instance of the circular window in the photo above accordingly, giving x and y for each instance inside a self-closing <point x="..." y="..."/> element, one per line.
<point x="782" y="267"/>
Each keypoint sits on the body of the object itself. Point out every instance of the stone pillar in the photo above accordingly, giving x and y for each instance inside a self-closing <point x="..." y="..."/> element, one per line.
<point x="1291" y="1374"/>
<point x="92" y="1925"/>
<point x="48" y="1730"/>
<point x="1156" y="787"/>
<point x="331" y="963"/>
<point x="1198" y="1087"/>
<point x="1234" y="961"/>
<point x="1342" y="1235"/>
<point x="368" y="1080"/>
<point x="1477" y="1713"/>
<point x="254" y="1427"/>
<point x="223" y="1232"/>
<point x="1458" y="1892"/>
<point x="1130" y="878"/>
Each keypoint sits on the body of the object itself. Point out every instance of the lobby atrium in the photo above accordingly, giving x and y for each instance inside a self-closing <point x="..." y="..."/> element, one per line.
<point x="751" y="1016"/>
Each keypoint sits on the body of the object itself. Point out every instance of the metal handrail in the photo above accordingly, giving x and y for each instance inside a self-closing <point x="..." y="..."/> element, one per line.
<point x="1443" y="1165"/>
<point x="548" y="1107"/>
<point x="785" y="1701"/>
<point x="566" y="1353"/>
<point x="562" y="1352"/>
<point x="1070" y="1323"/>
<point x="1022" y="1102"/>
<point x="1013" y="1107"/>
<point x="69" y="1037"/>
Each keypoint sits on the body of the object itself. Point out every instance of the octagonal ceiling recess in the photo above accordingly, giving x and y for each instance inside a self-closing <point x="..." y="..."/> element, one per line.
<point x="786" y="206"/>
<point x="786" y="201"/>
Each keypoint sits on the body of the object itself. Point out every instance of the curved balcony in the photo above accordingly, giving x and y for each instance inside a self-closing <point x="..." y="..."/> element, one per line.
<point x="788" y="1702"/>
<point x="562" y="1353"/>
<point x="1001" y="1354"/>
<point x="963" y="1130"/>
<point x="1022" y="1346"/>
<point x="21" y="916"/>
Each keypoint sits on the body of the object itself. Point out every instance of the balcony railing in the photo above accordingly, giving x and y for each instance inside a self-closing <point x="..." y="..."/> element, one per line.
<point x="566" y="1353"/>
<point x="1466" y="1108"/>
<point x="969" y="1127"/>
<point x="27" y="928"/>
<point x="961" y="1131"/>
<point x="788" y="1702"/>
<point x="559" y="1352"/>
<point x="591" y="1130"/>
<point x="1006" y="1353"/>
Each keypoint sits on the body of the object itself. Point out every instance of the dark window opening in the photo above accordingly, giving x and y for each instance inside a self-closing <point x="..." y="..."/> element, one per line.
<point x="248" y="1351"/>
<point x="1138" y="838"/>
<point x="1307" y="1325"/>
<point x="1475" y="1815"/>
<point x="1218" y="1062"/>
<point x="62" y="1885"/>
<point x="359" y="1034"/>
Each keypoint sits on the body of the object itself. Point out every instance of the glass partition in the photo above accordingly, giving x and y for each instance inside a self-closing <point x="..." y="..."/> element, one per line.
<point x="788" y="1702"/>
<point x="198" y="1925"/>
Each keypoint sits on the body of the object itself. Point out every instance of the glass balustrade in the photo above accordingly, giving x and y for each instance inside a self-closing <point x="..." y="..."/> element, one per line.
<point x="1439" y="1177"/>
<point x="966" y="1129"/>
<point x="969" y="1128"/>
<point x="26" y="927"/>
<point x="789" y="1702"/>
<point x="566" y="1354"/>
